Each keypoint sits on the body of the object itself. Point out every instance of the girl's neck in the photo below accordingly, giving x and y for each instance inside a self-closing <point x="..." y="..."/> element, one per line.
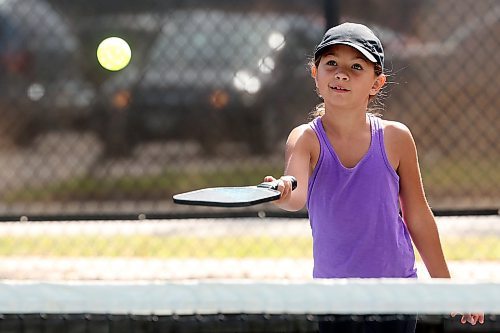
<point x="344" y="122"/>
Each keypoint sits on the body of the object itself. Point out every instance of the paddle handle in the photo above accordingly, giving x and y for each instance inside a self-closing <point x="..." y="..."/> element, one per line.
<point x="274" y="185"/>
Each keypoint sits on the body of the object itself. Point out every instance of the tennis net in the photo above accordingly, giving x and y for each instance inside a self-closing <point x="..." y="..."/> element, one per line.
<point x="242" y="305"/>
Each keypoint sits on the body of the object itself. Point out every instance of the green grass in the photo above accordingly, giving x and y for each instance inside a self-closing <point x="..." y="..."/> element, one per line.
<point x="156" y="246"/>
<point x="461" y="174"/>
<point x="472" y="248"/>
<point x="479" y="248"/>
<point x="444" y="175"/>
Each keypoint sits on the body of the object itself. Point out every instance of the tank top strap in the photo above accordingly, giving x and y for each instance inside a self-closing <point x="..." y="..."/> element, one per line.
<point x="376" y="128"/>
<point x="317" y="126"/>
<point x="378" y="137"/>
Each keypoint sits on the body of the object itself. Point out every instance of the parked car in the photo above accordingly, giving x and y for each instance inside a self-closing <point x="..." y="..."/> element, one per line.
<point x="213" y="76"/>
<point x="41" y="87"/>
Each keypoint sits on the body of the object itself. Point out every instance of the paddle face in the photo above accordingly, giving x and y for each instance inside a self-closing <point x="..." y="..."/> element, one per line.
<point x="232" y="196"/>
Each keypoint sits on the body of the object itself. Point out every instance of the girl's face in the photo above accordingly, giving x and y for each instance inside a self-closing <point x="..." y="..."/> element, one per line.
<point x="345" y="78"/>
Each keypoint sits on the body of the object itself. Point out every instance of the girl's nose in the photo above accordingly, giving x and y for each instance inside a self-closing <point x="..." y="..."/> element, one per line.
<point x="341" y="76"/>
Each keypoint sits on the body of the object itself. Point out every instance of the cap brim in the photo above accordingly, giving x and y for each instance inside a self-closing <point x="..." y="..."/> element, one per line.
<point x="364" y="52"/>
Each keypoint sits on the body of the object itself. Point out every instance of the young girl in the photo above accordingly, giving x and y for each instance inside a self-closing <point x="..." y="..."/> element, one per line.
<point x="355" y="171"/>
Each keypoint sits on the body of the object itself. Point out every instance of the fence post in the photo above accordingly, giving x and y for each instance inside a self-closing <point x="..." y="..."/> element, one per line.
<point x="332" y="12"/>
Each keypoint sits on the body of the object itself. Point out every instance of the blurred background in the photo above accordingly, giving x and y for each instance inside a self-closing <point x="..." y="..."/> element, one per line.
<point x="211" y="92"/>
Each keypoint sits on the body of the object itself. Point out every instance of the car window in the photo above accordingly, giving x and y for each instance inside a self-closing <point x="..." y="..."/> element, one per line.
<point x="199" y="39"/>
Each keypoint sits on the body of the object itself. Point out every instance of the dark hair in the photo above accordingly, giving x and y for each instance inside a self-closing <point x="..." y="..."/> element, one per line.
<point x="375" y="102"/>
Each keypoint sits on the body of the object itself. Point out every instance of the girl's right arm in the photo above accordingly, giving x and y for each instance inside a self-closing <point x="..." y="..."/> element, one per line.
<point x="300" y="148"/>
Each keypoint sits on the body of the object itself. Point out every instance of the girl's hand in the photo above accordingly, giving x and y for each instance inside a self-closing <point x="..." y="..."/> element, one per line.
<point x="471" y="318"/>
<point x="284" y="186"/>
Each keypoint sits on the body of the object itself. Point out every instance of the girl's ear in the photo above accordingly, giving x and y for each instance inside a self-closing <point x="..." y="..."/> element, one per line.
<point x="378" y="84"/>
<point x="314" y="71"/>
<point x="314" y="75"/>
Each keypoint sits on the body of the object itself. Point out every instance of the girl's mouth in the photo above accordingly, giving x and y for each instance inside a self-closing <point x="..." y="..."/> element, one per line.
<point x="339" y="89"/>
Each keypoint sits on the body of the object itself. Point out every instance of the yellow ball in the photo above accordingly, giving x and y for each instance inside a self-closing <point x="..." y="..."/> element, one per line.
<point x="114" y="53"/>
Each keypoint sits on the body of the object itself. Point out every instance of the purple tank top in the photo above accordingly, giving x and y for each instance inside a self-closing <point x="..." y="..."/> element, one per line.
<point x="357" y="229"/>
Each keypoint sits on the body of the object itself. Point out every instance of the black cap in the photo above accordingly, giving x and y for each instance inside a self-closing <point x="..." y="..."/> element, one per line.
<point x="355" y="35"/>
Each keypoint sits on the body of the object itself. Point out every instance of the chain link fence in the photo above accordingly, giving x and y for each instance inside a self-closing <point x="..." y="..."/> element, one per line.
<point x="211" y="92"/>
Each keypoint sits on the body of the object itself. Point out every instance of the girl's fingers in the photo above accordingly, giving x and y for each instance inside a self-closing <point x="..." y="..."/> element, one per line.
<point x="269" y="179"/>
<point x="472" y="319"/>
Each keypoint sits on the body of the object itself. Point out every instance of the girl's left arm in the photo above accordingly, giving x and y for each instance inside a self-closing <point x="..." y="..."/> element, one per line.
<point x="416" y="211"/>
<point x="418" y="215"/>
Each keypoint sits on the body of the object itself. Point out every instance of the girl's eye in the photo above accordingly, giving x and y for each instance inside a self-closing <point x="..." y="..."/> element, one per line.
<point x="357" y="67"/>
<point x="331" y="63"/>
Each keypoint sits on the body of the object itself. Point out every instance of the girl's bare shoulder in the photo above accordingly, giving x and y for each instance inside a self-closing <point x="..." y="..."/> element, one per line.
<point x="302" y="135"/>
<point x="398" y="141"/>
<point x="394" y="130"/>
